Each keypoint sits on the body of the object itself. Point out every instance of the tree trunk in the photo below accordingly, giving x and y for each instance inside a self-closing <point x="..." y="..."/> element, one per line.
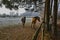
<point x="46" y="13"/>
<point x="55" y="17"/>
<point x="51" y="4"/>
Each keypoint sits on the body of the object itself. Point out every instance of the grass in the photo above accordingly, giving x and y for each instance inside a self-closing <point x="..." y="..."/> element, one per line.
<point x="17" y="32"/>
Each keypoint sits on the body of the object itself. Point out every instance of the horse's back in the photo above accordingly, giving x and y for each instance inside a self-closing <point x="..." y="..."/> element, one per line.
<point x="34" y="19"/>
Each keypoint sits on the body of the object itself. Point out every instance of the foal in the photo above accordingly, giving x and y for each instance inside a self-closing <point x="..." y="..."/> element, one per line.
<point x="34" y="20"/>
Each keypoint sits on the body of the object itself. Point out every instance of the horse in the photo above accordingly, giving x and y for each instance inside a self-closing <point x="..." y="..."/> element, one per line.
<point x="34" y="20"/>
<point x="23" y="20"/>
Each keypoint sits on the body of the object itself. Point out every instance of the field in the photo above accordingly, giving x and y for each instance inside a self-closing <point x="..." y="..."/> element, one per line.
<point x="17" y="32"/>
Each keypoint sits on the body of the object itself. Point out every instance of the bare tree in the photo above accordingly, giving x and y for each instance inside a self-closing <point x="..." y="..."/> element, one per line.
<point x="55" y="17"/>
<point x="46" y="13"/>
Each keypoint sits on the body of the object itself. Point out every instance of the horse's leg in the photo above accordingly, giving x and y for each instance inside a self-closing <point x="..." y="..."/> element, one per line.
<point x="23" y="25"/>
<point x="31" y="25"/>
<point x="34" y="26"/>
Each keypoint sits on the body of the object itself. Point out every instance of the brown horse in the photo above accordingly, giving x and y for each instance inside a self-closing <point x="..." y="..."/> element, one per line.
<point x="34" y="20"/>
<point x="23" y="21"/>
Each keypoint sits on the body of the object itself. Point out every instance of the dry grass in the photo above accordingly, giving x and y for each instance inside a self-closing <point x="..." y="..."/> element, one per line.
<point x="17" y="32"/>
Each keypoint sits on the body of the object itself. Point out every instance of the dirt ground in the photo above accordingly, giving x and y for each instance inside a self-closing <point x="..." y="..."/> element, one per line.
<point x="17" y="32"/>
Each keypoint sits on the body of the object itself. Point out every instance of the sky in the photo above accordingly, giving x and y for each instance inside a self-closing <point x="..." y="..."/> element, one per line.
<point x="7" y="11"/>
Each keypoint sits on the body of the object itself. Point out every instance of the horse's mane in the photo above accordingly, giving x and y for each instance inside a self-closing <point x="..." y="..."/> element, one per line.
<point x="37" y="17"/>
